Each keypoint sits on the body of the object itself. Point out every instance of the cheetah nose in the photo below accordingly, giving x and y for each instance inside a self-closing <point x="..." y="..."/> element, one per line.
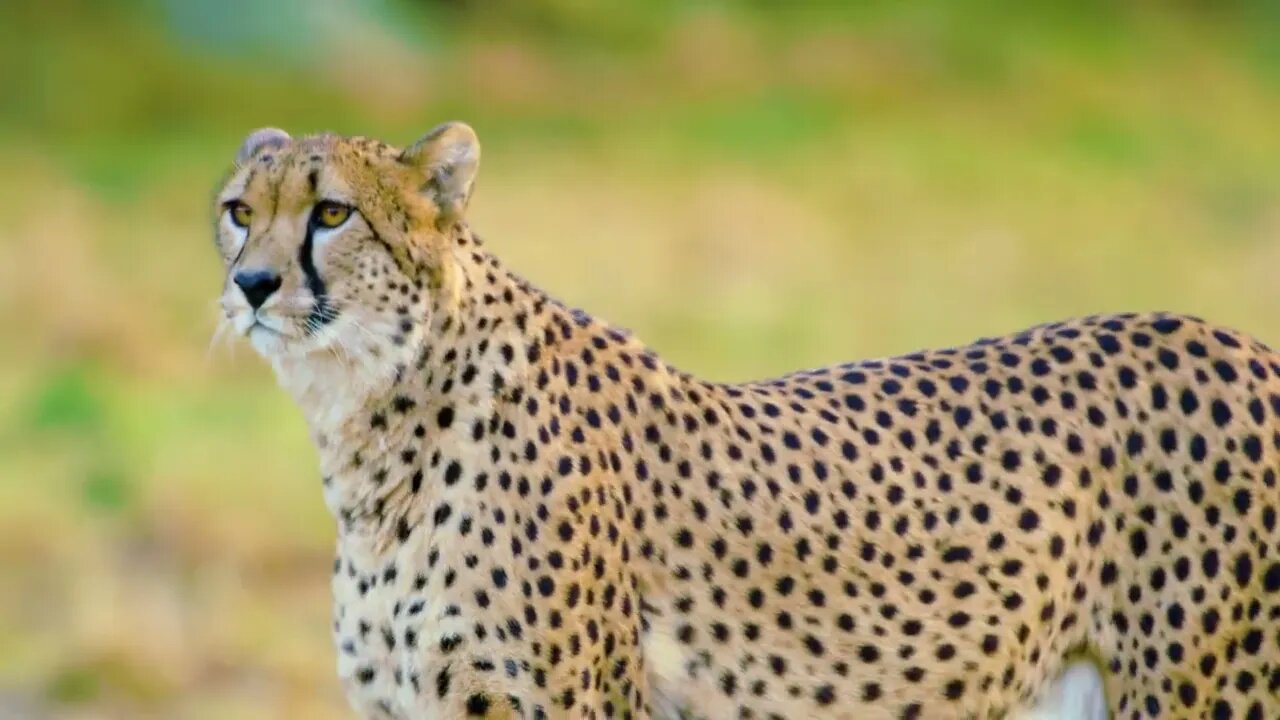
<point x="257" y="285"/>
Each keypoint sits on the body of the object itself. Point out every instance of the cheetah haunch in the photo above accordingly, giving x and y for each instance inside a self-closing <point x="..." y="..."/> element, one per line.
<point x="538" y="517"/>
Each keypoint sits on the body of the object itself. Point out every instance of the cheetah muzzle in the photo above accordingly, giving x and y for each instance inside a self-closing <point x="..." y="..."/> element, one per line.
<point x="538" y="517"/>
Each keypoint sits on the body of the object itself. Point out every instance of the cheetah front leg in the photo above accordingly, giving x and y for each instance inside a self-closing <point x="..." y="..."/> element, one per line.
<point x="1077" y="694"/>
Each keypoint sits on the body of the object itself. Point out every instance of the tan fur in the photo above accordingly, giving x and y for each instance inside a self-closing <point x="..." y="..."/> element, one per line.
<point x="537" y="517"/>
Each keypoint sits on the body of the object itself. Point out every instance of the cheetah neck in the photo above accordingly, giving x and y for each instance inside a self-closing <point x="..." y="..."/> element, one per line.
<point x="388" y="441"/>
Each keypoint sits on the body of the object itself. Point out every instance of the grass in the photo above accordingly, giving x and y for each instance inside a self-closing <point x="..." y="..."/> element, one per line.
<point x="750" y="189"/>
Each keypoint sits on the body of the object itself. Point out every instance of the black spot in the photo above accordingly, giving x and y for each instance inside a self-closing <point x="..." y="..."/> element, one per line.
<point x="1028" y="520"/>
<point x="1209" y="563"/>
<point x="477" y="705"/>
<point x="1242" y="500"/>
<point x="1188" y="402"/>
<point x="1271" y="581"/>
<point x="1221" y="413"/>
<point x="442" y="683"/>
<point x="1224" y="370"/>
<point x="1010" y="460"/>
<point x="1243" y="569"/>
<point x="1138" y="542"/>
<point x="452" y="473"/>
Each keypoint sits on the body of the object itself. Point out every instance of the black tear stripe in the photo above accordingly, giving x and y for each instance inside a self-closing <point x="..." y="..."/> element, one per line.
<point x="243" y="246"/>
<point x="322" y="313"/>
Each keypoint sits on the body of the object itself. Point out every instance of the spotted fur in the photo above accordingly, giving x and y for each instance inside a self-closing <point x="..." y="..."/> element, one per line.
<point x="538" y="517"/>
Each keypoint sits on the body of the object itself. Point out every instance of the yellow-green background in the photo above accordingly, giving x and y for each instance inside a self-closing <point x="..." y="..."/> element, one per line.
<point x="751" y="187"/>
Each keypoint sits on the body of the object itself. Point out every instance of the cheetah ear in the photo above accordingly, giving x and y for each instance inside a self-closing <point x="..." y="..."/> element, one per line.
<point x="259" y="140"/>
<point x="448" y="157"/>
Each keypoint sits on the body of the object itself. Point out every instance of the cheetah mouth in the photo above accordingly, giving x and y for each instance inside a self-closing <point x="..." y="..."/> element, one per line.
<point x="254" y="322"/>
<point x="257" y="326"/>
<point x="264" y="338"/>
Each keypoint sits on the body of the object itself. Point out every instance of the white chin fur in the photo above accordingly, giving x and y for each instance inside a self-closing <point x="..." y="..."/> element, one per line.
<point x="1077" y="694"/>
<point x="266" y="342"/>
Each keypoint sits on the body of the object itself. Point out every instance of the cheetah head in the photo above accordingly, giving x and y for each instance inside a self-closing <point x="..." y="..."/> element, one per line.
<point x="335" y="247"/>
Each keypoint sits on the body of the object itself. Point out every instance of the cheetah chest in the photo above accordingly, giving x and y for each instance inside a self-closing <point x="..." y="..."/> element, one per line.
<point x="381" y="610"/>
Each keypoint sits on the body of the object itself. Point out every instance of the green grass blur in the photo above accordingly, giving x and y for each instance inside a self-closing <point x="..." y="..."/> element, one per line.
<point x="752" y="187"/>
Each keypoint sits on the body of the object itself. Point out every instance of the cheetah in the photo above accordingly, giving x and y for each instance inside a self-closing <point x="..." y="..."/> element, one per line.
<point x="537" y="517"/>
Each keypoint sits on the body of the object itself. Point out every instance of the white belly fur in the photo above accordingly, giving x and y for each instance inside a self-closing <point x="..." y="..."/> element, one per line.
<point x="1077" y="694"/>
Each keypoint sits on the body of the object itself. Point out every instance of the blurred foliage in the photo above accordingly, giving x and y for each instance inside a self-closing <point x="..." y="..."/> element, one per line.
<point x="751" y="186"/>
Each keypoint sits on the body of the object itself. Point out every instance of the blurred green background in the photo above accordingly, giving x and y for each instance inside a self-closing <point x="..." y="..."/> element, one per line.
<point x="751" y="187"/>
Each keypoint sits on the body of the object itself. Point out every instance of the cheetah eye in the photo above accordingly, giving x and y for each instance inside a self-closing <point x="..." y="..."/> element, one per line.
<point x="241" y="214"/>
<point x="330" y="214"/>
